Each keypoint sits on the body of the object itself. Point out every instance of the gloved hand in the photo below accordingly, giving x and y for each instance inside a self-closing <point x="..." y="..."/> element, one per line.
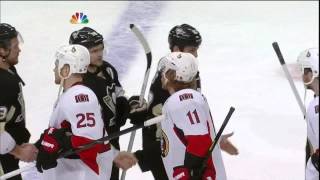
<point x="315" y="159"/>
<point x="209" y="174"/>
<point x="122" y="110"/>
<point x="181" y="173"/>
<point x="137" y="114"/>
<point x="52" y="143"/>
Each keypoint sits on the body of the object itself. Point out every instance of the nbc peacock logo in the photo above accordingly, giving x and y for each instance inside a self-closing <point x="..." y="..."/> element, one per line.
<point x="79" y="18"/>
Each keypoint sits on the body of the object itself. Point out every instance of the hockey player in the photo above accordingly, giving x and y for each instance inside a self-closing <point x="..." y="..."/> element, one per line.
<point x="309" y="62"/>
<point x="102" y="78"/>
<point x="182" y="38"/>
<point x="188" y="130"/>
<point x="75" y="121"/>
<point x="13" y="133"/>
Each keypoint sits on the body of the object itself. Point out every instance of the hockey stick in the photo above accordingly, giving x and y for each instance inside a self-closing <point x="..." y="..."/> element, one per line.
<point x="18" y="171"/>
<point x="286" y="72"/>
<point x="1" y="170"/>
<point x="293" y="87"/>
<point x="147" y="50"/>
<point x="114" y="135"/>
<point x="87" y="146"/>
<point x="213" y="145"/>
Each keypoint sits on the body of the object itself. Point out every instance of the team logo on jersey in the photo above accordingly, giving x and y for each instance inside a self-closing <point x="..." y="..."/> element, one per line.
<point x="3" y="112"/>
<point x="316" y="109"/>
<point x="73" y="50"/>
<point x="22" y="116"/>
<point x="308" y="54"/>
<point x="109" y="101"/>
<point x="164" y="144"/>
<point x="79" y="18"/>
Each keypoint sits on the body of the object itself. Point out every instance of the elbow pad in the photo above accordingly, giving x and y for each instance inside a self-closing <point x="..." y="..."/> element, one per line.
<point x="7" y="143"/>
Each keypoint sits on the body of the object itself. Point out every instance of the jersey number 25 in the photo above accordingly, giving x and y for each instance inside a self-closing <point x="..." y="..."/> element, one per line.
<point x="85" y="120"/>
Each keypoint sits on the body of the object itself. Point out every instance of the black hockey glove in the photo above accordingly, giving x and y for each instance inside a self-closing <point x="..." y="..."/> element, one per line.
<point x="53" y="142"/>
<point x="194" y="163"/>
<point x="122" y="110"/>
<point x="137" y="114"/>
<point x="315" y="159"/>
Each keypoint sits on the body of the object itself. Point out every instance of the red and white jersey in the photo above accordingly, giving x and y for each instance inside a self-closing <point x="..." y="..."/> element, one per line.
<point x="78" y="106"/>
<point x="187" y="114"/>
<point x="313" y="136"/>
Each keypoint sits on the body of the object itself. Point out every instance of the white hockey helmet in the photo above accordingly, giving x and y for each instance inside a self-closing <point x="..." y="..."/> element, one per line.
<point x="76" y="56"/>
<point x="309" y="58"/>
<point x="184" y="64"/>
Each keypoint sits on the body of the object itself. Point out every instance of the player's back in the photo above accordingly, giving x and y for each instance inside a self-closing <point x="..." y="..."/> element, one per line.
<point x="187" y="113"/>
<point x="78" y="106"/>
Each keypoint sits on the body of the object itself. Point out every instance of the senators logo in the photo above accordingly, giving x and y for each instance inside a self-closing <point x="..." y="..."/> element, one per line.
<point x="164" y="144"/>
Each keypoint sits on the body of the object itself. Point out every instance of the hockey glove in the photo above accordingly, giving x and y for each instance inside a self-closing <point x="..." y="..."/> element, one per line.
<point x="315" y="159"/>
<point x="208" y="174"/>
<point x="137" y="114"/>
<point x="181" y="173"/>
<point x="52" y="143"/>
<point x="122" y="110"/>
<point x="193" y="163"/>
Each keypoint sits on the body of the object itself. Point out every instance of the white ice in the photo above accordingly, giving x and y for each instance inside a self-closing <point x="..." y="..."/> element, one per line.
<point x="237" y="63"/>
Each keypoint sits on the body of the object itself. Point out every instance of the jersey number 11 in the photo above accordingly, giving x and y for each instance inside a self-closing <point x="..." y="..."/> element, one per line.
<point x="195" y="116"/>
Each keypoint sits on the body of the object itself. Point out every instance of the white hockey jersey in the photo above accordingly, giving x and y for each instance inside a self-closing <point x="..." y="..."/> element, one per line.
<point x="313" y="136"/>
<point x="187" y="111"/>
<point x="79" y="106"/>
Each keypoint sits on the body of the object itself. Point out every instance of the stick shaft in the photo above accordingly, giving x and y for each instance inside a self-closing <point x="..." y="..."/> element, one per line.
<point x="289" y="78"/>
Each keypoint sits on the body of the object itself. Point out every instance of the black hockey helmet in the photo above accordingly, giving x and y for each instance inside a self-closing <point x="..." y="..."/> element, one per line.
<point x="87" y="37"/>
<point x="184" y="35"/>
<point x="7" y="32"/>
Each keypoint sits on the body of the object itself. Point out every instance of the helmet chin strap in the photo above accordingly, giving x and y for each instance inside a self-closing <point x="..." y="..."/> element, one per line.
<point x="62" y="82"/>
<point x="304" y="99"/>
<point x="60" y="87"/>
<point x="165" y="79"/>
<point x="308" y="83"/>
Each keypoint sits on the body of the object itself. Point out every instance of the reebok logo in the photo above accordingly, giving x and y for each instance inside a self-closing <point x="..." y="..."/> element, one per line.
<point x="179" y="176"/>
<point x="46" y="144"/>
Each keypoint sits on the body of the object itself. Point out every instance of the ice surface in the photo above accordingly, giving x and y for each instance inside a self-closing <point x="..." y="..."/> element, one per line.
<point x="237" y="63"/>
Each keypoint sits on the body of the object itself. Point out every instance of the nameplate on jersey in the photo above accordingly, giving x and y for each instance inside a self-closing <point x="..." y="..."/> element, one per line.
<point x="3" y="112"/>
<point x="81" y="98"/>
<point x="185" y="96"/>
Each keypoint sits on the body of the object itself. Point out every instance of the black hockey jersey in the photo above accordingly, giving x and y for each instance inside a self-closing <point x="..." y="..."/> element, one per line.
<point x="13" y="112"/>
<point x="105" y="84"/>
<point x="11" y="99"/>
